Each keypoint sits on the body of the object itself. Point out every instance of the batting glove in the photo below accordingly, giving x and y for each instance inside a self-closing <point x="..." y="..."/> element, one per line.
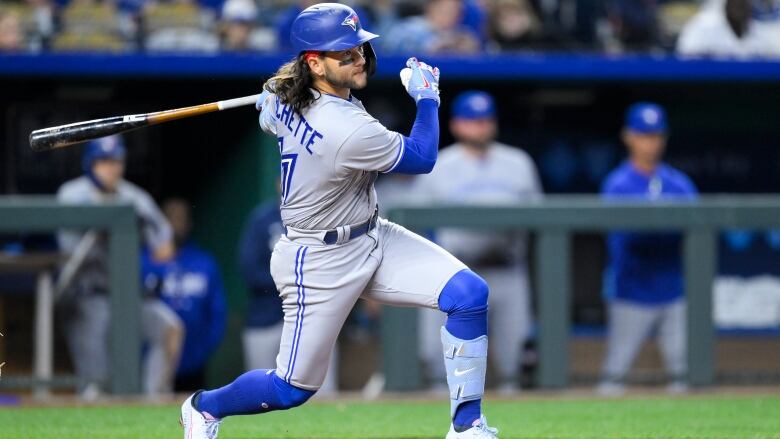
<point x="421" y="80"/>
<point x="261" y="99"/>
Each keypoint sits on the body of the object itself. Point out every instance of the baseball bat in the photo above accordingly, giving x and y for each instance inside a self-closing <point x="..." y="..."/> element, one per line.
<point x="64" y="135"/>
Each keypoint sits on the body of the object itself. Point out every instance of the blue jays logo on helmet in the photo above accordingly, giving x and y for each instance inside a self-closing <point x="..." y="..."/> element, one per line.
<point x="351" y="21"/>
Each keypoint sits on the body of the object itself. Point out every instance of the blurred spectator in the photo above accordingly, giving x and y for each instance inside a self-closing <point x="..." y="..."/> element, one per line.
<point x="475" y="17"/>
<point x="643" y="282"/>
<point x="11" y="34"/>
<point x="85" y="308"/>
<point x="191" y="285"/>
<point x="635" y="24"/>
<point x="93" y="26"/>
<point x="438" y="30"/>
<point x="726" y="28"/>
<point x="515" y="25"/>
<point x="264" y="319"/>
<point x="386" y="14"/>
<point x="766" y="14"/>
<point x="42" y="18"/>
<point x="477" y="170"/>
<point x="179" y="26"/>
<point x="239" y="30"/>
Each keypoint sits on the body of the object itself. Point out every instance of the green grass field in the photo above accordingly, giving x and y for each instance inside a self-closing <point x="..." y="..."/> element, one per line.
<point x="651" y="417"/>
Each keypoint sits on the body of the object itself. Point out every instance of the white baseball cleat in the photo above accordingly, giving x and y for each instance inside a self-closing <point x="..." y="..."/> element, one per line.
<point x="479" y="430"/>
<point x="198" y="425"/>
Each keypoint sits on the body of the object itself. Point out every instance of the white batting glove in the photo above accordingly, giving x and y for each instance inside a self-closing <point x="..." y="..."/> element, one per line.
<point x="262" y="98"/>
<point x="421" y="81"/>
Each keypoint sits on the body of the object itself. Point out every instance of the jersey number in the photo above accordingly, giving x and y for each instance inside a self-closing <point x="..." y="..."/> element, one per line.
<point x="288" y="167"/>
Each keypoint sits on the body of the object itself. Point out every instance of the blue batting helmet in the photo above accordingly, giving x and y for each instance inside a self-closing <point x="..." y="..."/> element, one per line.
<point x="331" y="27"/>
<point x="646" y="118"/>
<point x="474" y="104"/>
<point x="104" y="148"/>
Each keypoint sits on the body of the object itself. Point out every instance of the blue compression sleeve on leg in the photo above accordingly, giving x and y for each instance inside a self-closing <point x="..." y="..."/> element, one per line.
<point x="421" y="148"/>
<point x="464" y="299"/>
<point x="257" y="391"/>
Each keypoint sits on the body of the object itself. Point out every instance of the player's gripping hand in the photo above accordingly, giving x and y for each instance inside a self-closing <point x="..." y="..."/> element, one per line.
<point x="421" y="80"/>
<point x="261" y="99"/>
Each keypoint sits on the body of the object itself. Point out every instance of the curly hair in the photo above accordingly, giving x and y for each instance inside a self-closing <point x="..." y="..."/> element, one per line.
<point x="293" y="83"/>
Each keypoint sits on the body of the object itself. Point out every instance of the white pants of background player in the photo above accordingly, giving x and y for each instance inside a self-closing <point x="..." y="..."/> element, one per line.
<point x="320" y="284"/>
<point x="509" y="319"/>
<point x="630" y="324"/>
<point x="261" y="347"/>
<point x="87" y="323"/>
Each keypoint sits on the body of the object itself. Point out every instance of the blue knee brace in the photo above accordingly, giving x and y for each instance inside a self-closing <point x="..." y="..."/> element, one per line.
<point x="465" y="300"/>
<point x="464" y="338"/>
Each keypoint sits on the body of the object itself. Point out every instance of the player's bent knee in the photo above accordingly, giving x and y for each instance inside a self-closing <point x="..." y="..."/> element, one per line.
<point x="289" y="395"/>
<point x="466" y="291"/>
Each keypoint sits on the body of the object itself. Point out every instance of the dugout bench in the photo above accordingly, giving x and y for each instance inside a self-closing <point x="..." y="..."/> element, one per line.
<point x="45" y="214"/>
<point x="554" y="220"/>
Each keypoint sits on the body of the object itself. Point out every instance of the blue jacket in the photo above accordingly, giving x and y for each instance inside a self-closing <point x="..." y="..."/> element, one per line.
<point x="262" y="230"/>
<point x="645" y="267"/>
<point x="191" y="285"/>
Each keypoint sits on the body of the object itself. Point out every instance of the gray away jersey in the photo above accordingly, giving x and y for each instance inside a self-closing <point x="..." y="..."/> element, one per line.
<point x="155" y="229"/>
<point x="505" y="176"/>
<point x="330" y="158"/>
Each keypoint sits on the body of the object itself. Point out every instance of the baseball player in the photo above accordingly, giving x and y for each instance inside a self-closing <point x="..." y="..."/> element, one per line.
<point x="478" y="170"/>
<point x="643" y="282"/>
<point x="191" y="285"/>
<point x="336" y="250"/>
<point x="86" y="312"/>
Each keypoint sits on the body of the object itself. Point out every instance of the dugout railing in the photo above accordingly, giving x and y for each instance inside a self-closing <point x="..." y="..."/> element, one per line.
<point x="45" y="214"/>
<point x="554" y="220"/>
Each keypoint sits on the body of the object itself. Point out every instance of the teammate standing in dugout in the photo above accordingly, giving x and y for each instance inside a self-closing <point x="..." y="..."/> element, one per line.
<point x="336" y="249"/>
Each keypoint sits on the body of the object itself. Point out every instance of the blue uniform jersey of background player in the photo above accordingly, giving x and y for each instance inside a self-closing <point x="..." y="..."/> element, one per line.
<point x="260" y="234"/>
<point x="643" y="281"/>
<point x="191" y="285"/>
<point x="645" y="267"/>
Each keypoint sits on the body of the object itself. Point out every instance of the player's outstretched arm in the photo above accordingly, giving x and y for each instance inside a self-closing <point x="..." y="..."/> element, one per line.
<point x="421" y="148"/>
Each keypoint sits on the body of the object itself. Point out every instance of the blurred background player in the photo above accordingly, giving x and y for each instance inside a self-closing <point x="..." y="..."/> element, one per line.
<point x="190" y="284"/>
<point x="643" y="279"/>
<point x="264" y="317"/>
<point x="85" y="310"/>
<point x="478" y="170"/>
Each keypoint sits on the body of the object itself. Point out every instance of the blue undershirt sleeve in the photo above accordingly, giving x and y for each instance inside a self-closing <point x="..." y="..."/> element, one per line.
<point x="420" y="149"/>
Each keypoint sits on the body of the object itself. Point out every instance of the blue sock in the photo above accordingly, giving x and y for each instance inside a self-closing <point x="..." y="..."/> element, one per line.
<point x="257" y="391"/>
<point x="464" y="299"/>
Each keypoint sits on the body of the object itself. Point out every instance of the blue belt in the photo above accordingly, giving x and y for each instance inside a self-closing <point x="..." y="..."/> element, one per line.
<point x="332" y="236"/>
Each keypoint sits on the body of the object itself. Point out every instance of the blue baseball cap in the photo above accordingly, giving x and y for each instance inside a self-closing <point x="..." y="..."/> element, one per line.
<point x="104" y="148"/>
<point x="646" y="118"/>
<point x="474" y="104"/>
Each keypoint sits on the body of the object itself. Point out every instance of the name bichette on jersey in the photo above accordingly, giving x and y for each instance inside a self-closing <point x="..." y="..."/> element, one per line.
<point x="287" y="116"/>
